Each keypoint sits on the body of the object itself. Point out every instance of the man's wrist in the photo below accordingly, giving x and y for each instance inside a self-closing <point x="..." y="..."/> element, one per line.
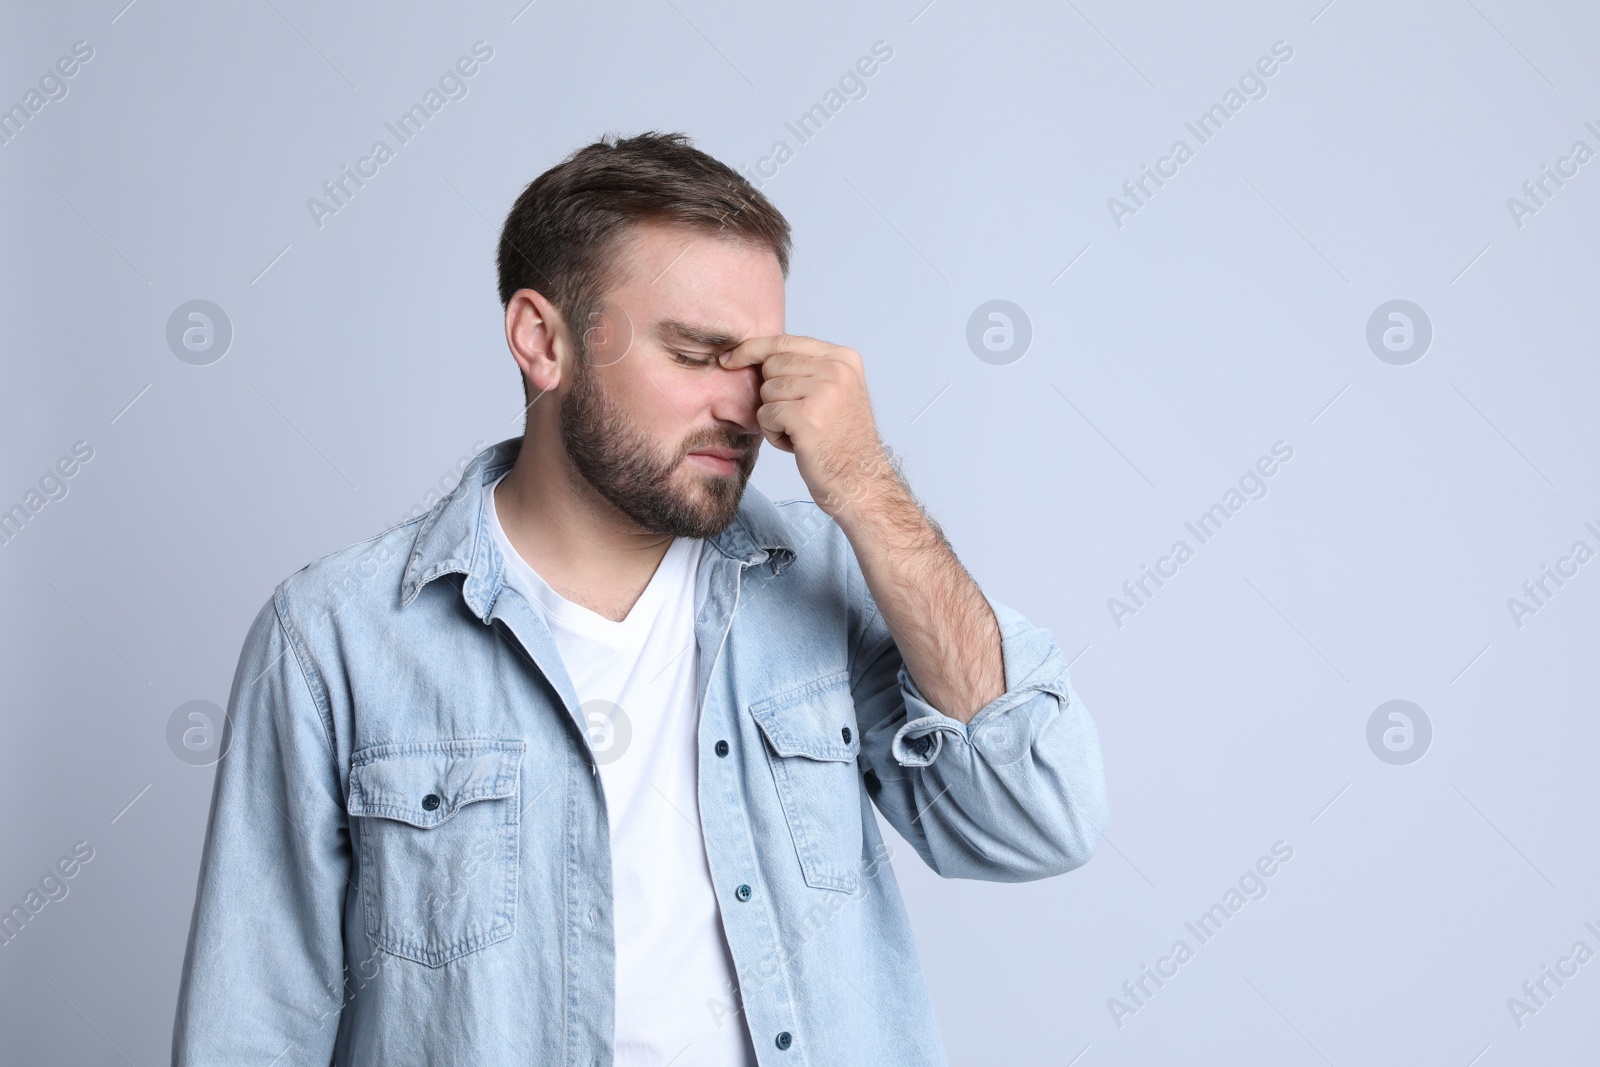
<point x="882" y="513"/>
<point x="873" y="504"/>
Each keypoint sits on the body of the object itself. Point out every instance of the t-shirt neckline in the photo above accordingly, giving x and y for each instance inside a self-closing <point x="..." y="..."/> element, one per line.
<point x="584" y="620"/>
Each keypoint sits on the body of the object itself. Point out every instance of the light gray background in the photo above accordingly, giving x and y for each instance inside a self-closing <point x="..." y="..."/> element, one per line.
<point x="1229" y="313"/>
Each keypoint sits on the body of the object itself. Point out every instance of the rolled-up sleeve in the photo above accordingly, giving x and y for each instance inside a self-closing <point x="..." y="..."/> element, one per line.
<point x="1015" y="794"/>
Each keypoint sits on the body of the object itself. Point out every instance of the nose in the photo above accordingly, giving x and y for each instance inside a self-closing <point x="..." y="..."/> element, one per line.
<point x="738" y="397"/>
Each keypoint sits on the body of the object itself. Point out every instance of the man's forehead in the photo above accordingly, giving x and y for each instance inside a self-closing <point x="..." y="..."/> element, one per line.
<point x="680" y="282"/>
<point x="653" y="244"/>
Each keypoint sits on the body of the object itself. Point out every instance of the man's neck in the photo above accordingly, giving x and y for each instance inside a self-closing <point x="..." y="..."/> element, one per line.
<point x="577" y="541"/>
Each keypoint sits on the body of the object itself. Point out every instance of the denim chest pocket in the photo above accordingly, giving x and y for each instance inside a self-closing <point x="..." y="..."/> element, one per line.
<point x="436" y="826"/>
<point x="812" y="744"/>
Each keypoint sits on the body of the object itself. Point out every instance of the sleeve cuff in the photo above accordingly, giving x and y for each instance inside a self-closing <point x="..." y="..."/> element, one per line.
<point x="920" y="739"/>
<point x="999" y="731"/>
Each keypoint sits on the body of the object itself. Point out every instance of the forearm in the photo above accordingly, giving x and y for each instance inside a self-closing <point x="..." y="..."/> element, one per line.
<point x="941" y="623"/>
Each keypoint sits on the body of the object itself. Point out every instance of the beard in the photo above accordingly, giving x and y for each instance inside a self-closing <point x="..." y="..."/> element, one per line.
<point x="636" y="478"/>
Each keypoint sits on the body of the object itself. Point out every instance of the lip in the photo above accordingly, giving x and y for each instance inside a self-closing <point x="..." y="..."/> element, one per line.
<point x="720" y="460"/>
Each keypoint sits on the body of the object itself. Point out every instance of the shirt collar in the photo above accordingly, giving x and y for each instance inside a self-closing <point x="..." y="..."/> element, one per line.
<point x="454" y="537"/>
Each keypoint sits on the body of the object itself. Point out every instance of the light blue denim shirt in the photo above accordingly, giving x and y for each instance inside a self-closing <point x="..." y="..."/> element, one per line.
<point x="408" y="862"/>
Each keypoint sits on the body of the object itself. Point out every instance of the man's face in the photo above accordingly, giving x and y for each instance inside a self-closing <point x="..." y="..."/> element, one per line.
<point x="652" y="421"/>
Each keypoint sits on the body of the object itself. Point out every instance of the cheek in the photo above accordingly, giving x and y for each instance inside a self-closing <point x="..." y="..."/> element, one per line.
<point x="611" y="340"/>
<point x="660" y="406"/>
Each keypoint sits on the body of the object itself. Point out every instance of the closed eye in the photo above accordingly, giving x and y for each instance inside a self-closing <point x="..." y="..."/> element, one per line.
<point x="690" y="360"/>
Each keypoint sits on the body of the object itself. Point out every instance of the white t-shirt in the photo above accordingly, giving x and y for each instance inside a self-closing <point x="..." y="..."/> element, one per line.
<point x="676" y="994"/>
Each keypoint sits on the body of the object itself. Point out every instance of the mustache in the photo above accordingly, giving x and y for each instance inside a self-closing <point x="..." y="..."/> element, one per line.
<point x="721" y="437"/>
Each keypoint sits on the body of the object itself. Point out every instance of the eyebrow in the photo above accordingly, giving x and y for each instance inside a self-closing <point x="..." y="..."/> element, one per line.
<point x="694" y="334"/>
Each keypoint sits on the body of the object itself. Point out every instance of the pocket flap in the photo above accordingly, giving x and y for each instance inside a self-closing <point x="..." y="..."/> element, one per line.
<point x="813" y="720"/>
<point x="425" y="783"/>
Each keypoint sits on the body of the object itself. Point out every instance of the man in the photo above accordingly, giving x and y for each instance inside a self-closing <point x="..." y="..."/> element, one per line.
<point x="577" y="768"/>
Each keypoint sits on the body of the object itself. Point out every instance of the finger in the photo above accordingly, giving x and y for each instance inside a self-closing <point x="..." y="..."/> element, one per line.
<point x="786" y="387"/>
<point x="755" y="350"/>
<point x="791" y="363"/>
<point x="774" y="419"/>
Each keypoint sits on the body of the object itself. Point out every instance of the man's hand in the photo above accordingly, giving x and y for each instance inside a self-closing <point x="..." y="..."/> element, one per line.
<point x="814" y="404"/>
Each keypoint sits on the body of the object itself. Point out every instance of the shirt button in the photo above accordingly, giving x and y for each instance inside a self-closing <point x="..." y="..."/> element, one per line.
<point x="430" y="802"/>
<point x="785" y="1039"/>
<point x="845" y="733"/>
<point x="594" y="916"/>
<point x="722" y="748"/>
<point x="743" y="892"/>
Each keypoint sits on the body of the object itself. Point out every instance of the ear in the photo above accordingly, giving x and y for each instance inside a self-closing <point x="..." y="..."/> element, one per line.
<point x="539" y="341"/>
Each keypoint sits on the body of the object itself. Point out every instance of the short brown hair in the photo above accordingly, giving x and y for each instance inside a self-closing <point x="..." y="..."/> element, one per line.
<point x="562" y="233"/>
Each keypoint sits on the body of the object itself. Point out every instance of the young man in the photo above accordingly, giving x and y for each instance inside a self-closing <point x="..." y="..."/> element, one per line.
<point x="578" y="767"/>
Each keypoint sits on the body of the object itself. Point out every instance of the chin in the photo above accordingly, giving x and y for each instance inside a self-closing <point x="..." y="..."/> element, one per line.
<point x="713" y="498"/>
